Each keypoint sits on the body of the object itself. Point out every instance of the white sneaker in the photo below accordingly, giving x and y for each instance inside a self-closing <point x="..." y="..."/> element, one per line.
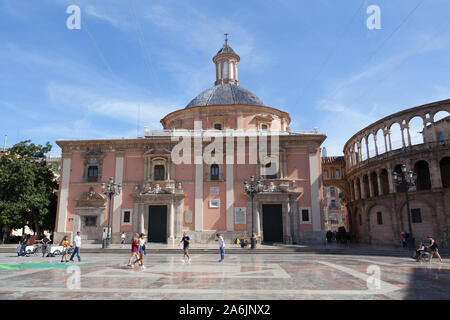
<point x="143" y="267"/>
<point x="189" y="261"/>
<point x="183" y="261"/>
<point x="132" y="265"/>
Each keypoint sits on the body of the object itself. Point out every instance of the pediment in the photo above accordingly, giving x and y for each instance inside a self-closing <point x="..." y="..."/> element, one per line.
<point x="157" y="152"/>
<point x="90" y="198"/>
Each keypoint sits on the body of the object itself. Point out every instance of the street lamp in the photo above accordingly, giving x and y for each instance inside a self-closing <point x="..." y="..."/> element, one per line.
<point x="406" y="180"/>
<point x="251" y="189"/>
<point x="110" y="190"/>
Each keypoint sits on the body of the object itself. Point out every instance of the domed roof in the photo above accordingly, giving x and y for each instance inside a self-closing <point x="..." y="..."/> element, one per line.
<point x="226" y="49"/>
<point x="225" y="94"/>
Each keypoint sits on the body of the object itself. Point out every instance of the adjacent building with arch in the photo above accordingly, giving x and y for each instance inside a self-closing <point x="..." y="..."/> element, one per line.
<point x="418" y="138"/>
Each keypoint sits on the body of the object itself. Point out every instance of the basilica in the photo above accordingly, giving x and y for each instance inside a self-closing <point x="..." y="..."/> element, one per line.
<point x="175" y="179"/>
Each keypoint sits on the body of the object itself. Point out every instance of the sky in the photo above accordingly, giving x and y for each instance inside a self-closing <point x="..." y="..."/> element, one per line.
<point x="134" y="61"/>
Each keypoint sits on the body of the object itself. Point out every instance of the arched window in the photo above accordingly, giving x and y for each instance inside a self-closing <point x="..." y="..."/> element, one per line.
<point x="215" y="172"/>
<point x="445" y="172"/>
<point x="373" y="177"/>
<point x="159" y="172"/>
<point x="384" y="180"/>
<point x="423" y="175"/>
<point x="225" y="70"/>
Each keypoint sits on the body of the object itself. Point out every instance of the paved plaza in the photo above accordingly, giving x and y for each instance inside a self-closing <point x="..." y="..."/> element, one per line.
<point x="252" y="276"/>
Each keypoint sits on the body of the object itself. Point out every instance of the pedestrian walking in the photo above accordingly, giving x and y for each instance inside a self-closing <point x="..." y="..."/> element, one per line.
<point x="45" y="243"/>
<point x="66" y="245"/>
<point x="22" y="245"/>
<point x="186" y="240"/>
<point x="433" y="249"/>
<point x="134" y="251"/>
<point x="77" y="246"/>
<point x="221" y="246"/>
<point x="5" y="237"/>
<point x="123" y="236"/>
<point x="403" y="234"/>
<point x="141" y="250"/>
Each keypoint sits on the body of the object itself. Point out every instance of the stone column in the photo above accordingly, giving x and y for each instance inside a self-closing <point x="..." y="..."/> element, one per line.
<point x="64" y="192"/>
<point x="258" y="220"/>
<point x="403" y="137"/>
<point x="172" y="222"/>
<point x="386" y="149"/>
<point x="371" y="191"/>
<point x="390" y="178"/>
<point x="435" y="174"/>
<point x="117" y="204"/>
<point x="141" y="219"/>
<point x="367" y="148"/>
<point x="409" y="136"/>
<point x="380" y="192"/>
<point x="376" y="145"/>
<point x="390" y="142"/>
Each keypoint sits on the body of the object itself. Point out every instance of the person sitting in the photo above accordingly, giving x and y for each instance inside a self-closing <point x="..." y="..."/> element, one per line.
<point x="419" y="251"/>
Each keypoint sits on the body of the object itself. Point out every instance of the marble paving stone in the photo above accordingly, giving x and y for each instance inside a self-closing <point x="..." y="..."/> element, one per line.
<point x="239" y="277"/>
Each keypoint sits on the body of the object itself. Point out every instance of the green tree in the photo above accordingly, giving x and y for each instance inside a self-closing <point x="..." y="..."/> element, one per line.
<point x="27" y="188"/>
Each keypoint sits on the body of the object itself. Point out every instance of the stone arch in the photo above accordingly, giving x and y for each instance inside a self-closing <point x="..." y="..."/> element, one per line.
<point x="396" y="136"/>
<point x="381" y="146"/>
<point x="444" y="165"/>
<point x="364" y="155"/>
<point x="416" y="130"/>
<point x="371" y="145"/>
<point x="439" y="115"/>
<point x="423" y="182"/>
<point x="398" y="169"/>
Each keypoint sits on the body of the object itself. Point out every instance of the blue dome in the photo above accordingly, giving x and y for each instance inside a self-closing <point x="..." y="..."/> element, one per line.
<point x="225" y="94"/>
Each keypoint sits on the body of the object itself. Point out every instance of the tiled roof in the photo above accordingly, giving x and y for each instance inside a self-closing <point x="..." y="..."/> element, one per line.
<point x="225" y="94"/>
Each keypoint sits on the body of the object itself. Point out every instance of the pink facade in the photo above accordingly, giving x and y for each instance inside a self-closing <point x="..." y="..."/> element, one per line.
<point x="163" y="198"/>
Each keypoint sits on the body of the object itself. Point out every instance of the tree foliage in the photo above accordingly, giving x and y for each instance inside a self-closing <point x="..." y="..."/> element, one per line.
<point x="27" y="187"/>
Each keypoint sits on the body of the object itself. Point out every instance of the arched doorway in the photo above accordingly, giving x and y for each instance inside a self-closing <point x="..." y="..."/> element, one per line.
<point x="445" y="172"/>
<point x="423" y="181"/>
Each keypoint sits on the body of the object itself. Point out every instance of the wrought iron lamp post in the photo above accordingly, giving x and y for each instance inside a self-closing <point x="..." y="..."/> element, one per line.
<point x="406" y="180"/>
<point x="110" y="190"/>
<point x="251" y="189"/>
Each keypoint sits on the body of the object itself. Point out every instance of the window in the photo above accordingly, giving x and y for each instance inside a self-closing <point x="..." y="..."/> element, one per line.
<point x="126" y="217"/>
<point x="90" y="221"/>
<point x="332" y="192"/>
<point x="92" y="173"/>
<point x="218" y="126"/>
<point x="231" y="70"/>
<point x="214" y="203"/>
<point x="305" y="215"/>
<point x="338" y="174"/>
<point x="325" y="174"/>
<point x="159" y="172"/>
<point x="215" y="172"/>
<point x="416" y="216"/>
<point x="225" y="70"/>
<point x="379" y="218"/>
<point x="264" y="127"/>
<point x="333" y="205"/>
